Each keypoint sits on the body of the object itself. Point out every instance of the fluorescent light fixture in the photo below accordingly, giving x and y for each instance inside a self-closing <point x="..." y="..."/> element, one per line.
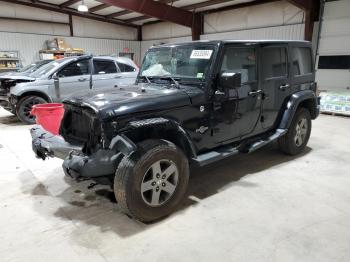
<point x="83" y="7"/>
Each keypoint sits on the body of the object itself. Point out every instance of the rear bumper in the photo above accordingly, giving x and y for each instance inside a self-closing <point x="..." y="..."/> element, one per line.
<point x="77" y="164"/>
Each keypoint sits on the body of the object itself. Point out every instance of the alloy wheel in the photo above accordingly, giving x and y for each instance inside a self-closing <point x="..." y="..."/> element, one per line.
<point x="159" y="182"/>
<point x="301" y="131"/>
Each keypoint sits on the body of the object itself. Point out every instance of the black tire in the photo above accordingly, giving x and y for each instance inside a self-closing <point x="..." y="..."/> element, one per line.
<point x="294" y="141"/>
<point x="24" y="106"/>
<point x="131" y="175"/>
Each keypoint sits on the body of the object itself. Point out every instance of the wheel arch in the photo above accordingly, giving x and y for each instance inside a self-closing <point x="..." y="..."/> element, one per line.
<point x="306" y="99"/>
<point x="35" y="93"/>
<point x="161" y="128"/>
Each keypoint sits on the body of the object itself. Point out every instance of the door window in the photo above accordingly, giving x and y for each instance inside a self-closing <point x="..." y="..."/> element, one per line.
<point x="126" y="68"/>
<point x="240" y="60"/>
<point x="274" y="62"/>
<point x="301" y="61"/>
<point x="104" y="67"/>
<point x="81" y="67"/>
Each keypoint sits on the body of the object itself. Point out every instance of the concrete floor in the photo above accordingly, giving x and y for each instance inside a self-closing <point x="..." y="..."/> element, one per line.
<point x="260" y="207"/>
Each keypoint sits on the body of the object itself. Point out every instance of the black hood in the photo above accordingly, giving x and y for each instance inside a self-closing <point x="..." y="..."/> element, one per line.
<point x="132" y="99"/>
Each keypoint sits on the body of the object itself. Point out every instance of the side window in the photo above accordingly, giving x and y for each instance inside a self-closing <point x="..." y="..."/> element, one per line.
<point x="240" y="60"/>
<point x="274" y="62"/>
<point x="301" y="61"/>
<point x="77" y="68"/>
<point x="126" y="68"/>
<point x="104" y="67"/>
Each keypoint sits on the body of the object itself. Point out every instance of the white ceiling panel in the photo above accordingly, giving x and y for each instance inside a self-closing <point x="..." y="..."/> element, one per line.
<point x="186" y="2"/>
<point x="108" y="10"/>
<point x="55" y="2"/>
<point x="88" y="3"/>
<point x="128" y="16"/>
<point x="222" y="5"/>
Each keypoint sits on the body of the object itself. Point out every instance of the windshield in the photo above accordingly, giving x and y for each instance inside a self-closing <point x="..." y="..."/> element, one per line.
<point x="47" y="68"/>
<point x="190" y="62"/>
<point x="26" y="68"/>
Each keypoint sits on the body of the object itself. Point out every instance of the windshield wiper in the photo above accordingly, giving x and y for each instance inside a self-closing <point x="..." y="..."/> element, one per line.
<point x="176" y="83"/>
<point x="147" y="79"/>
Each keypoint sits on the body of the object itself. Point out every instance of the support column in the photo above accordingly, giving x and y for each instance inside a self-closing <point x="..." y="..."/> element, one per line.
<point x="309" y="25"/>
<point x="71" y="31"/>
<point x="197" y="26"/>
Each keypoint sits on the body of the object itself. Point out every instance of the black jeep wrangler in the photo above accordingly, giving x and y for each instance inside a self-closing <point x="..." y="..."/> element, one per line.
<point x="192" y="103"/>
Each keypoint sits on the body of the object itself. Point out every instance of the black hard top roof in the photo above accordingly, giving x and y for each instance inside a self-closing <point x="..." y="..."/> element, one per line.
<point x="220" y="42"/>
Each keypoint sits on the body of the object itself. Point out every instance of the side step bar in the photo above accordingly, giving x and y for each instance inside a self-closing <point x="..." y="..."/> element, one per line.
<point x="227" y="151"/>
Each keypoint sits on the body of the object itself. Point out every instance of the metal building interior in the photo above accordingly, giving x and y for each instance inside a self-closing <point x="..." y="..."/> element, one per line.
<point x="263" y="206"/>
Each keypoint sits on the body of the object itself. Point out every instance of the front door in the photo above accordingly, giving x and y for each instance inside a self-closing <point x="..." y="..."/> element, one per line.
<point x="275" y="82"/>
<point x="238" y="115"/>
<point x="105" y="74"/>
<point x="73" y="78"/>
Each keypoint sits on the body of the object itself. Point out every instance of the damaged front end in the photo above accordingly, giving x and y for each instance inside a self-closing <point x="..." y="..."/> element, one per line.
<point x="6" y="82"/>
<point x="82" y="145"/>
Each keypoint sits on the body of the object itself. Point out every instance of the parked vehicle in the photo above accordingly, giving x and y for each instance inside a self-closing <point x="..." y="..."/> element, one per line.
<point x="61" y="78"/>
<point x="193" y="103"/>
<point x="25" y="70"/>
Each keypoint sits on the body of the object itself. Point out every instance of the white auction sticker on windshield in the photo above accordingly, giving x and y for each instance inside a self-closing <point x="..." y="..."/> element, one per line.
<point x="201" y="54"/>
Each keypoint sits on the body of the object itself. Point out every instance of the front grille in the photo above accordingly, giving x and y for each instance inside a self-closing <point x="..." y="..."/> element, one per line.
<point x="78" y="124"/>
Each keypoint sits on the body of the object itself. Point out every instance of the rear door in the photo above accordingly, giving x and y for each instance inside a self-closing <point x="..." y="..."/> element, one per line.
<point x="105" y="74"/>
<point x="275" y="82"/>
<point x="128" y="74"/>
<point x="74" y="77"/>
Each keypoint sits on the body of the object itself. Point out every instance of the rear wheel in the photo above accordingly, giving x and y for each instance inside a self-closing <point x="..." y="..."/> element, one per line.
<point x="150" y="183"/>
<point x="24" y="107"/>
<point x="297" y="137"/>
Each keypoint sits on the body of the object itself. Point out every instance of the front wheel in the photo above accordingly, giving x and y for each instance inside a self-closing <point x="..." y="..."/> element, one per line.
<point x="150" y="183"/>
<point x="24" y="107"/>
<point x="297" y="137"/>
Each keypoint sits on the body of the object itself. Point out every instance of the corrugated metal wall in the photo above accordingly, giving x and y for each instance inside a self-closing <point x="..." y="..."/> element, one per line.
<point x="30" y="44"/>
<point x="287" y="32"/>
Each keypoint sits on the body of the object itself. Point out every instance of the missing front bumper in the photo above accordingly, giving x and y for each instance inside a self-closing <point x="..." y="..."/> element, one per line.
<point x="45" y="144"/>
<point x="77" y="164"/>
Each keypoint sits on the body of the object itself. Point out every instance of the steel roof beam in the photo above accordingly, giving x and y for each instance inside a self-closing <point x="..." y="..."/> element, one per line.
<point x="126" y="12"/>
<point x="155" y="9"/>
<point x="209" y="3"/>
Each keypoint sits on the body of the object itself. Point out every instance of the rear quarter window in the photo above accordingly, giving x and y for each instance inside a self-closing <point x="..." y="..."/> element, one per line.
<point x="301" y="61"/>
<point x="126" y="68"/>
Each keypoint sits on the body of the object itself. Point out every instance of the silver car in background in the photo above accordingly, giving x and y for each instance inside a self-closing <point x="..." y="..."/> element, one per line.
<point x="62" y="78"/>
<point x="27" y="70"/>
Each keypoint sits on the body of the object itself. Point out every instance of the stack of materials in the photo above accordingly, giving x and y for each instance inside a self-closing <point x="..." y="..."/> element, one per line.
<point x="335" y="103"/>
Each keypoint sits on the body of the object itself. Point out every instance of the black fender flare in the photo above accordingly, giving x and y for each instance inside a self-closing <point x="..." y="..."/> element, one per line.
<point x="161" y="128"/>
<point x="292" y="105"/>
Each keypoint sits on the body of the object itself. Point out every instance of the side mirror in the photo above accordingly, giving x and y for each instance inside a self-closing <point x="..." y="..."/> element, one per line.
<point x="230" y="80"/>
<point x="55" y="77"/>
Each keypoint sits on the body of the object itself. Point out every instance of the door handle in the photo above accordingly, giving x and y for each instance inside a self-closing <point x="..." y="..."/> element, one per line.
<point x="82" y="79"/>
<point x="283" y="87"/>
<point x="116" y="77"/>
<point x="255" y="93"/>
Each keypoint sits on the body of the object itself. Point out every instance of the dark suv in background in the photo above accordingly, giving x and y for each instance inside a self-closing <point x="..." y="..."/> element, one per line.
<point x="193" y="103"/>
